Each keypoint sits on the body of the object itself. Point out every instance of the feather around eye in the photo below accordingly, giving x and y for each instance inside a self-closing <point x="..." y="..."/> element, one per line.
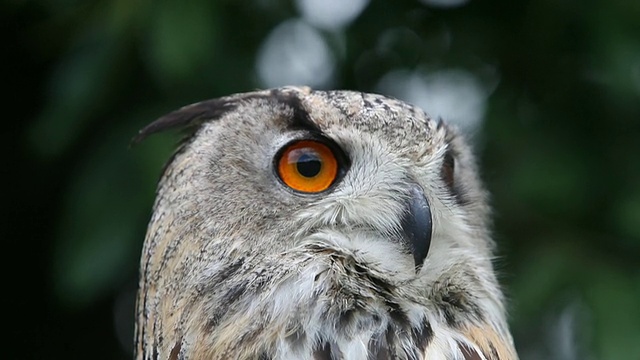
<point x="448" y="169"/>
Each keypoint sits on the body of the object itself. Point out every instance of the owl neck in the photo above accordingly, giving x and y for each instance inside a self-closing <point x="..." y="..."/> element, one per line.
<point x="326" y="305"/>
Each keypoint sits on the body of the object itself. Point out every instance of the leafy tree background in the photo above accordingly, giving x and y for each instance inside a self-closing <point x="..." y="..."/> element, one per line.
<point x="549" y="91"/>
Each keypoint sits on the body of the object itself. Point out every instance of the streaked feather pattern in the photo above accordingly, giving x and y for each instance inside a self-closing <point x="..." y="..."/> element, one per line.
<point x="235" y="267"/>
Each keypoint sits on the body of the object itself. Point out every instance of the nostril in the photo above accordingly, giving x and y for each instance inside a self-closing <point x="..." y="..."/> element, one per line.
<point x="417" y="225"/>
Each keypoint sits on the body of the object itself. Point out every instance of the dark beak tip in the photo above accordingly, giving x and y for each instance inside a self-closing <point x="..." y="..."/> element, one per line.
<point x="417" y="226"/>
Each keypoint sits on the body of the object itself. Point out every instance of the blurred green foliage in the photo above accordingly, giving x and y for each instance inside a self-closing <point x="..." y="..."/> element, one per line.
<point x="559" y="141"/>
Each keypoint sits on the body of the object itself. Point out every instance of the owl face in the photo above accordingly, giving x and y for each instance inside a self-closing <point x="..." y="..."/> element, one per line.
<point x="303" y="224"/>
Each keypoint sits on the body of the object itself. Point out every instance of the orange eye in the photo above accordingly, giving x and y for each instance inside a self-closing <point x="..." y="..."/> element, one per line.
<point x="308" y="166"/>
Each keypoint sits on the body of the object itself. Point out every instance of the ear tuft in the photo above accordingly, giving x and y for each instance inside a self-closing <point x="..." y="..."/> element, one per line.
<point x="187" y="117"/>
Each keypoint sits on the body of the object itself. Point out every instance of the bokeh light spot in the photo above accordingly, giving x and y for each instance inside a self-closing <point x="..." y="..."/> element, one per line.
<point x="455" y="95"/>
<point x="294" y="53"/>
<point x="331" y="14"/>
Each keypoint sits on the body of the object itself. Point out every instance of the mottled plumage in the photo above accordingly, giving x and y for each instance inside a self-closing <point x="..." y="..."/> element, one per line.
<point x="393" y="261"/>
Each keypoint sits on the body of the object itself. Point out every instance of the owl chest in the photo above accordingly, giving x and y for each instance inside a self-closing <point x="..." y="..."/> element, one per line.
<point x="356" y="317"/>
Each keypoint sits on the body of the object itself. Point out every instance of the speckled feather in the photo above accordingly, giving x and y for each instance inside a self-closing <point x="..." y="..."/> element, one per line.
<point x="237" y="266"/>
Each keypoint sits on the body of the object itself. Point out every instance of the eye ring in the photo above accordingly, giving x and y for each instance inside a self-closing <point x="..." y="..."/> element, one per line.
<point x="307" y="166"/>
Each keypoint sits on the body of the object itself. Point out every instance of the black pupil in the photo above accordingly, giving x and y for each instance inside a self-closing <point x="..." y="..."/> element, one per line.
<point x="308" y="165"/>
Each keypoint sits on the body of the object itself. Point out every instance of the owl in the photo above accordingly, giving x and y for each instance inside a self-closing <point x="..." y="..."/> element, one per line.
<point x="301" y="224"/>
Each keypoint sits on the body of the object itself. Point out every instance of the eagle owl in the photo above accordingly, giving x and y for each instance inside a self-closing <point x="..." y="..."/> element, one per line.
<point x="302" y="224"/>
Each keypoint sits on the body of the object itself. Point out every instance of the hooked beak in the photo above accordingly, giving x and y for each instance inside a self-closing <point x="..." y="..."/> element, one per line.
<point x="417" y="225"/>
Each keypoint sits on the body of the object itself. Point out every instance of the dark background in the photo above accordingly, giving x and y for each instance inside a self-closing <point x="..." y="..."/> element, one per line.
<point x="549" y="91"/>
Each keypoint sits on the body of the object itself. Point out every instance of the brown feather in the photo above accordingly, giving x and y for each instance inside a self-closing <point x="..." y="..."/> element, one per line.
<point x="493" y="345"/>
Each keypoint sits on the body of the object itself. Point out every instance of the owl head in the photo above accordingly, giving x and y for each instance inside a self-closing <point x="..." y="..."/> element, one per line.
<point x="301" y="224"/>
